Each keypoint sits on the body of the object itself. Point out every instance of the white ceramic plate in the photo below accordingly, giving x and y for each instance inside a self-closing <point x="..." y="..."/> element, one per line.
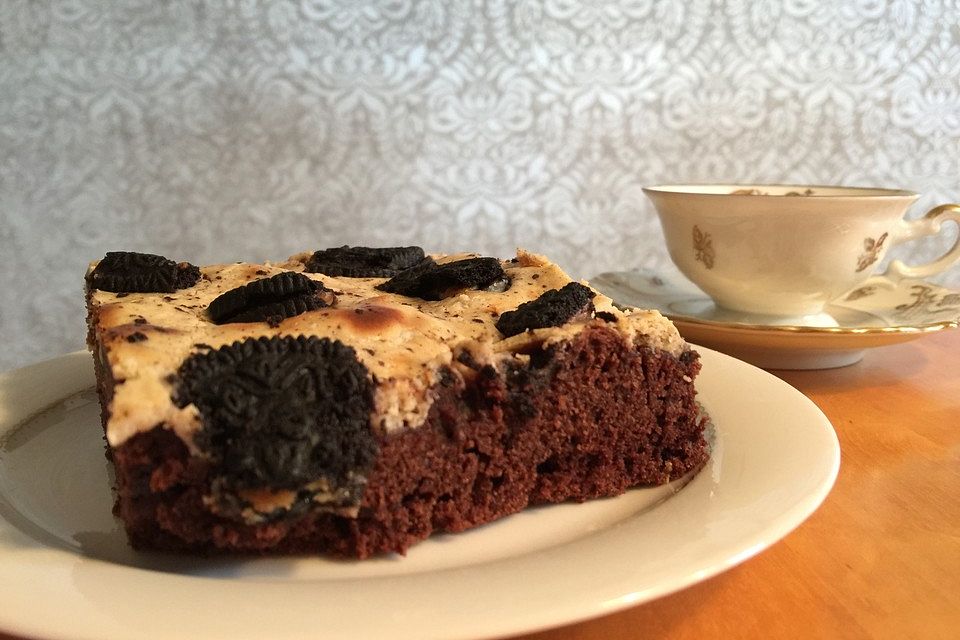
<point x="66" y="571"/>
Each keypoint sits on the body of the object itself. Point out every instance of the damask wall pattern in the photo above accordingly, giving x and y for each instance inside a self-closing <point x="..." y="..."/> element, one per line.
<point x="209" y="131"/>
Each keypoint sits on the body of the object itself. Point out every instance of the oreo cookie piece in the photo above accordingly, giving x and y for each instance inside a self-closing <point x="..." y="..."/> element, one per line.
<point x="364" y="262"/>
<point x="553" y="308"/>
<point x="408" y="279"/>
<point x="282" y="413"/>
<point x="272" y="299"/>
<point x="131" y="272"/>
<point x="432" y="281"/>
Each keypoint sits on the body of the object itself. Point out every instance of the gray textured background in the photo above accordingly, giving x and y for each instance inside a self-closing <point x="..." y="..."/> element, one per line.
<point x="245" y="130"/>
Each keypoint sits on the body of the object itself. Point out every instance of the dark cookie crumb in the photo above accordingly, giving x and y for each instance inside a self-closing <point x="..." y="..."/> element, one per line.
<point x="187" y="275"/>
<point x="279" y="413"/>
<point x="136" y="336"/>
<point x="606" y="316"/>
<point x="125" y="272"/>
<point x="364" y="262"/>
<point x="432" y="281"/>
<point x="552" y="309"/>
<point x="270" y="300"/>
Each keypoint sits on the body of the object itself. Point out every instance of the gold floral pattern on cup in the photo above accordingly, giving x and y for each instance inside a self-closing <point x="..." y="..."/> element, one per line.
<point x="761" y="251"/>
<point x="871" y="252"/>
<point x="703" y="246"/>
<point x="926" y="300"/>
<point x="861" y="292"/>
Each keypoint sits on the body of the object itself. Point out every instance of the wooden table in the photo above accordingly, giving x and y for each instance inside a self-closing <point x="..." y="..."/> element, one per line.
<point x="881" y="557"/>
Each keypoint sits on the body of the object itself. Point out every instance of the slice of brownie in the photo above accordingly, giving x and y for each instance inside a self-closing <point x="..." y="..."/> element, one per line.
<point x="353" y="401"/>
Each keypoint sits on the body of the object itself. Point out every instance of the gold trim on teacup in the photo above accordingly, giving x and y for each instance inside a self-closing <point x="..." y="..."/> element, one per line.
<point x="813" y="191"/>
<point x="758" y="192"/>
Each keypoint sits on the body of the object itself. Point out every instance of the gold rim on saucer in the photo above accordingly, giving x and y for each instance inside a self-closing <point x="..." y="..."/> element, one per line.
<point x="860" y="337"/>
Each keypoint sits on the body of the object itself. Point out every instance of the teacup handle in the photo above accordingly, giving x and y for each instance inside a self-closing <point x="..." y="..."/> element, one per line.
<point x="928" y="225"/>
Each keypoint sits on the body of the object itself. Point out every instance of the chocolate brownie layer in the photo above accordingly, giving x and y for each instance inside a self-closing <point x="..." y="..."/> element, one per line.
<point x="585" y="419"/>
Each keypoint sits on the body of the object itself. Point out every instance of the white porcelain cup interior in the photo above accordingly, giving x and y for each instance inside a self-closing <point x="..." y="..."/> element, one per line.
<point x="788" y="250"/>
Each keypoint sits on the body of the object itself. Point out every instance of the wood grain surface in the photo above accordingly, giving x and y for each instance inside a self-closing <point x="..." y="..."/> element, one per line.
<point x="881" y="557"/>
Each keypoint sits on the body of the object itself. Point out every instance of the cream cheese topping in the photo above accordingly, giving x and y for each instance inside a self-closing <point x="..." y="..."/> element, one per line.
<point x="404" y="342"/>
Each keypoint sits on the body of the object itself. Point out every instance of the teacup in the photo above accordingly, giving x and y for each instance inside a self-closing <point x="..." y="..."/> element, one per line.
<point x="788" y="250"/>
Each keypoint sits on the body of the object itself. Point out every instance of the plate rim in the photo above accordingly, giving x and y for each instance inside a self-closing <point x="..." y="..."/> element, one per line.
<point x="607" y="597"/>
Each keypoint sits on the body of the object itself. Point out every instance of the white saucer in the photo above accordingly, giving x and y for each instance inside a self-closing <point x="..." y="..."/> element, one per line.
<point x="879" y="313"/>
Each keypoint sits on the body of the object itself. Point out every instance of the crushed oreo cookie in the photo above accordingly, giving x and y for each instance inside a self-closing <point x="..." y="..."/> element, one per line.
<point x="553" y="308"/>
<point x="130" y="272"/>
<point x="282" y="413"/>
<point x="432" y="281"/>
<point x="228" y="503"/>
<point x="271" y="300"/>
<point x="364" y="262"/>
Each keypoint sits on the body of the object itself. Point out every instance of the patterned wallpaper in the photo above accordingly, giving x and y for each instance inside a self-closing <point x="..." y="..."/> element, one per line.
<point x="213" y="131"/>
